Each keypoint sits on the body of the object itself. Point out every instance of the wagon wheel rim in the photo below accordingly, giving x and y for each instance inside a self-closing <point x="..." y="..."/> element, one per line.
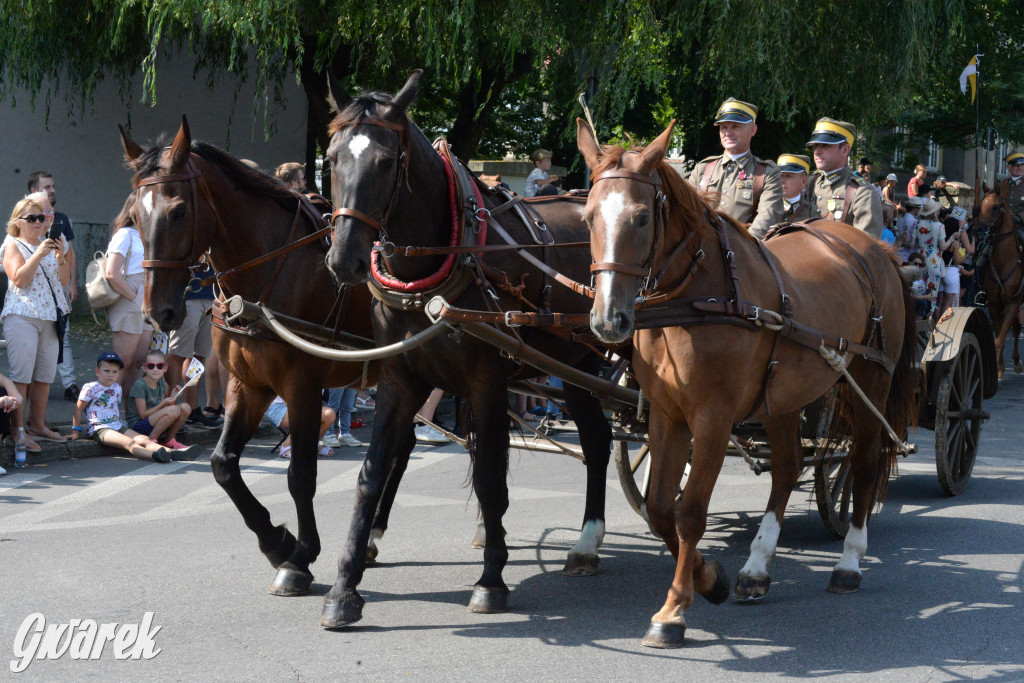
<point x="833" y="490"/>
<point x="959" y="417"/>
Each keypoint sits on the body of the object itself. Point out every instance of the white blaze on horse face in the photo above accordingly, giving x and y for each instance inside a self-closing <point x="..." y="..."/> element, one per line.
<point x="612" y="207"/>
<point x="357" y="144"/>
<point x="854" y="547"/>
<point x="762" y="549"/>
<point x="591" y="538"/>
<point x="147" y="201"/>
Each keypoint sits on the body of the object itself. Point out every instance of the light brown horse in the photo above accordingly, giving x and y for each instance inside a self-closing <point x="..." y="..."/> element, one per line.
<point x="718" y="365"/>
<point x="1003" y="275"/>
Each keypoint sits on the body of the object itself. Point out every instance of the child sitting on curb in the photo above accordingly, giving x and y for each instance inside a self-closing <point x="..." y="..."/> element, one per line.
<point x="151" y="410"/>
<point x="101" y="403"/>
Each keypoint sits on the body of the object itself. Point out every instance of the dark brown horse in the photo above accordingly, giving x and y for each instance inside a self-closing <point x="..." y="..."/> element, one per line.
<point x="707" y="354"/>
<point x="1003" y="276"/>
<point x="386" y="175"/>
<point x="193" y="199"/>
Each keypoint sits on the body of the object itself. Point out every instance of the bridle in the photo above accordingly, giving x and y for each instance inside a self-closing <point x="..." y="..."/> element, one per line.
<point x="198" y="186"/>
<point x="401" y="175"/>
<point x="649" y="281"/>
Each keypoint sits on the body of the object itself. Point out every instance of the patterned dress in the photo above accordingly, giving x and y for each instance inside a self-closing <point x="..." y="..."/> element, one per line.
<point x="930" y="235"/>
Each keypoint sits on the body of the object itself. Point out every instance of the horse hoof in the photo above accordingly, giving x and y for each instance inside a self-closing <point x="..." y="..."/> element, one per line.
<point x="719" y="592"/>
<point x="489" y="600"/>
<point x="371" y="554"/>
<point x="283" y="549"/>
<point x="340" y="613"/>
<point x="750" y="588"/>
<point x="580" y="564"/>
<point x="664" y="636"/>
<point x="844" y="581"/>
<point x="480" y="538"/>
<point x="290" y="581"/>
<point x="1018" y="368"/>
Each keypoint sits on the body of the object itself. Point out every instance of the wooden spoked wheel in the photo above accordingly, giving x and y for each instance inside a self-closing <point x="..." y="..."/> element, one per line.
<point x="833" y="484"/>
<point x="959" y="416"/>
<point x="634" y="477"/>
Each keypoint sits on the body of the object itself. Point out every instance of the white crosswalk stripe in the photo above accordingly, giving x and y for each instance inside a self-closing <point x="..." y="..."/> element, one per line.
<point x="13" y="481"/>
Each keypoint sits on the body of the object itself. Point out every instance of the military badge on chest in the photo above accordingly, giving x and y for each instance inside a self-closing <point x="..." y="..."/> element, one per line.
<point x="745" y="185"/>
<point x="835" y="207"/>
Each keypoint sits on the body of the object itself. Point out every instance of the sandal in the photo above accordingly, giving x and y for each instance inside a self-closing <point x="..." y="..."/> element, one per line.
<point x="46" y="434"/>
<point x="364" y="403"/>
<point x="285" y="452"/>
<point x="326" y="452"/>
<point x="527" y="416"/>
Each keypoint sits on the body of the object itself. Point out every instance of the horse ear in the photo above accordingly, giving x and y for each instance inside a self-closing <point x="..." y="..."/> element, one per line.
<point x="132" y="151"/>
<point x="337" y="96"/>
<point x="181" y="148"/>
<point x="408" y="91"/>
<point x="985" y="188"/>
<point x="655" y="151"/>
<point x="587" y="143"/>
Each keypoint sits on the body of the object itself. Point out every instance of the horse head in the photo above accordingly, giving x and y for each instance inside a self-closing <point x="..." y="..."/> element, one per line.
<point x="369" y="160"/>
<point x="991" y="212"/>
<point x="164" y="211"/>
<point x="621" y="212"/>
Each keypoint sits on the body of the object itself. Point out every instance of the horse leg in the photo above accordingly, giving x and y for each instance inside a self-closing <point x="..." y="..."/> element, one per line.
<point x="683" y="525"/>
<point x="595" y="439"/>
<point x="783" y="434"/>
<point x="1001" y="321"/>
<point x="490" y="466"/>
<point x="866" y="466"/>
<point x="1017" y="366"/>
<point x="383" y="514"/>
<point x="293" y="576"/>
<point x="245" y="408"/>
<point x="398" y="399"/>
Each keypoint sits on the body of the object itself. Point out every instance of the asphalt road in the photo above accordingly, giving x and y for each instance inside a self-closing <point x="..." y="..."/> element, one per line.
<point x="110" y="539"/>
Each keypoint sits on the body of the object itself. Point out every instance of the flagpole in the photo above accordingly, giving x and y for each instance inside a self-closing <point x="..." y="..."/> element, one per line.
<point x="977" y="113"/>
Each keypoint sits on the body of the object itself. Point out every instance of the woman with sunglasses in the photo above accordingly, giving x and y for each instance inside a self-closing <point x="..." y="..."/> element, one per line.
<point x="37" y="272"/>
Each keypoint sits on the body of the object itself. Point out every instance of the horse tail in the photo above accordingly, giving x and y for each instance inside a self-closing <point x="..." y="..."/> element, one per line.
<point x="901" y="405"/>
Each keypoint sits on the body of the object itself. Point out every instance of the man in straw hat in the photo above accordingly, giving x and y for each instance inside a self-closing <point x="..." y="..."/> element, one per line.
<point x="750" y="189"/>
<point x="833" y="189"/>
<point x="795" y="169"/>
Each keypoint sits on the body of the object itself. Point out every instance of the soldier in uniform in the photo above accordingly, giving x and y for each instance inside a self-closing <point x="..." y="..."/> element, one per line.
<point x="750" y="188"/>
<point x="795" y="169"/>
<point x="833" y="189"/>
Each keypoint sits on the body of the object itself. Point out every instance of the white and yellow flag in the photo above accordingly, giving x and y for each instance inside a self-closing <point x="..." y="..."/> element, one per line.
<point x="970" y="73"/>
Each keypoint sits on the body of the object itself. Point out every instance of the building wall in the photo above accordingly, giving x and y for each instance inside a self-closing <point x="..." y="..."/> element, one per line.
<point x="83" y="149"/>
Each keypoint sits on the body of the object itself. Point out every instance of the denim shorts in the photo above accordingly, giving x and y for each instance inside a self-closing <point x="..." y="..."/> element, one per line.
<point x="276" y="412"/>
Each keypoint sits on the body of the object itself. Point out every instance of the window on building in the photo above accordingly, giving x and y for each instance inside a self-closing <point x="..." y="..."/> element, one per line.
<point x="1003" y="148"/>
<point x="899" y="133"/>
<point x="933" y="157"/>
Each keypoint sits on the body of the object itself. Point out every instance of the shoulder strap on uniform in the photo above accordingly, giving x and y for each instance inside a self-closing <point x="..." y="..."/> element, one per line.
<point x="705" y="179"/>
<point x="759" y="170"/>
<point x="851" y="190"/>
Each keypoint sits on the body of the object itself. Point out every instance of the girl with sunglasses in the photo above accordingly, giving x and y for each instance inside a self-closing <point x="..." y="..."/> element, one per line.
<point x="37" y="272"/>
<point x="152" y="409"/>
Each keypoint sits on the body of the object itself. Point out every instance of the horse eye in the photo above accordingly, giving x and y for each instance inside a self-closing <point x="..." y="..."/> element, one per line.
<point x="642" y="220"/>
<point x="177" y="212"/>
<point x="386" y="161"/>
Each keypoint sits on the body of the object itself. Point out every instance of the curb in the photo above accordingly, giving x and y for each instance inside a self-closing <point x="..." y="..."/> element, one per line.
<point x="87" y="448"/>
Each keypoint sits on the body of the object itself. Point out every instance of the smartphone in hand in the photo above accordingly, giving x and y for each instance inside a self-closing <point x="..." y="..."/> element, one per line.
<point x="54" y="233"/>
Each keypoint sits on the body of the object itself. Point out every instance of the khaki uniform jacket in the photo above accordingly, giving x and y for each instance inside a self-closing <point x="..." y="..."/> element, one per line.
<point x="1015" y="202"/>
<point x="737" y="193"/>
<point x="828" y="196"/>
<point x="793" y="213"/>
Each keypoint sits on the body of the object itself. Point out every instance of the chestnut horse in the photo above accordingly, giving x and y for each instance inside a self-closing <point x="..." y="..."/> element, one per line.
<point x="1003" y="277"/>
<point x="386" y="176"/>
<point x="706" y="361"/>
<point x="193" y="199"/>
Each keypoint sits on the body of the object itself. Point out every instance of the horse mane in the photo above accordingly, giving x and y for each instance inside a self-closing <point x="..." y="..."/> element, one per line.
<point x="368" y="105"/>
<point x="238" y="173"/>
<point x="687" y="207"/>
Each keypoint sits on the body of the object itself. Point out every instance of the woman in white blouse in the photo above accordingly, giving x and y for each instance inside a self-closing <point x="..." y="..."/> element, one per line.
<point x="132" y="332"/>
<point x="37" y="271"/>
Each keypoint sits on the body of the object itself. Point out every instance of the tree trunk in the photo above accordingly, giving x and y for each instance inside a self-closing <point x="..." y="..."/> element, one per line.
<point x="319" y="114"/>
<point x="476" y="102"/>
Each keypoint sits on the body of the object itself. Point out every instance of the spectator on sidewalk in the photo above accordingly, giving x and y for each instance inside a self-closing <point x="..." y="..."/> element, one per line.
<point x="541" y="173"/>
<point x="916" y="186"/>
<point x="215" y="384"/>
<point x="42" y="181"/>
<point x="425" y="432"/>
<point x="34" y="306"/>
<point x="131" y="331"/>
<point x="10" y="399"/>
<point x="277" y="413"/>
<point x="292" y="175"/>
<point x="152" y="410"/>
<point x="342" y="402"/>
<point x="100" y="404"/>
<point x="193" y="340"/>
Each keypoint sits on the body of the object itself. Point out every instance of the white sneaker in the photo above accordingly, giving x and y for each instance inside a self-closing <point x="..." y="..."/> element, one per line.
<point x="2" y="471"/>
<point x="348" y="440"/>
<point x="428" y="434"/>
<point x="332" y="441"/>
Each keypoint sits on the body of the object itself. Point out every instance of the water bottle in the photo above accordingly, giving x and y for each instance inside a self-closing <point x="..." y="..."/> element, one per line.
<point x="19" y="449"/>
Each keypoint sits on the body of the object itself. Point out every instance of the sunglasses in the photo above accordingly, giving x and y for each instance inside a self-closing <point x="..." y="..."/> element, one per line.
<point x="34" y="217"/>
<point x="155" y="366"/>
